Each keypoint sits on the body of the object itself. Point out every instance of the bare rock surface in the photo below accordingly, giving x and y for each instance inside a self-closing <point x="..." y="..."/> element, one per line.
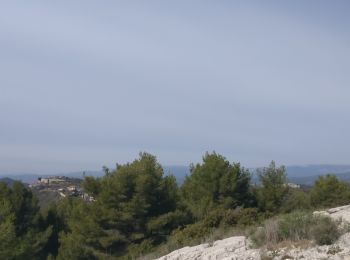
<point x="339" y="213"/>
<point x="238" y="247"/>
<point x="230" y="248"/>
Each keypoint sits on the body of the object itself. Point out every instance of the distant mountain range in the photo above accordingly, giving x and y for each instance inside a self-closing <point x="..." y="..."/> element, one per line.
<point x="308" y="174"/>
<point x="296" y="174"/>
<point x="8" y="181"/>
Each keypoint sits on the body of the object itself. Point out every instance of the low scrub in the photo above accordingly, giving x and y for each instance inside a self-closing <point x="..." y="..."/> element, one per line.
<point x="216" y="222"/>
<point x="297" y="226"/>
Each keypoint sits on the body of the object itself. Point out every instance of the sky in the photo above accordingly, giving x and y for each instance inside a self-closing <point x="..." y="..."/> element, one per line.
<point x="88" y="83"/>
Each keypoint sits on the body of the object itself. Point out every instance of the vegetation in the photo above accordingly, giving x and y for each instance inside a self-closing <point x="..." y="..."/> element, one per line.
<point x="298" y="226"/>
<point x="137" y="210"/>
<point x="274" y="188"/>
<point x="216" y="184"/>
<point x="328" y="191"/>
<point x="22" y="231"/>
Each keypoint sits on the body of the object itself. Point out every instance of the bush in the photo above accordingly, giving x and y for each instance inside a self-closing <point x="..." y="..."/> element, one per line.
<point x="297" y="226"/>
<point x="137" y="250"/>
<point x="325" y="231"/>
<point x="296" y="200"/>
<point x="191" y="234"/>
<point x="241" y="217"/>
<point x="248" y="216"/>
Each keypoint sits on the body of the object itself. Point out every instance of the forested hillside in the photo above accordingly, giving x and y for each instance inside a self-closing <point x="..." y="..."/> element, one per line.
<point x="137" y="209"/>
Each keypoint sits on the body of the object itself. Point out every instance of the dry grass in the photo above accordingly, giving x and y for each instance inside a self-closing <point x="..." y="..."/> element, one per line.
<point x="288" y="244"/>
<point x="271" y="231"/>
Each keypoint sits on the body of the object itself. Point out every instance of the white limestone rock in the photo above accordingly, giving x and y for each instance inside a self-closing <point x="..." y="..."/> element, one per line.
<point x="233" y="248"/>
<point x="237" y="248"/>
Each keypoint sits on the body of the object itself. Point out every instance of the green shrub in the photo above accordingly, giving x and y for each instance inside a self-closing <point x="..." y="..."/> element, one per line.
<point x="214" y="218"/>
<point x="325" y="231"/>
<point x="137" y="250"/>
<point x="296" y="200"/>
<point x="248" y="216"/>
<point x="241" y="217"/>
<point x="190" y="235"/>
<point x="295" y="227"/>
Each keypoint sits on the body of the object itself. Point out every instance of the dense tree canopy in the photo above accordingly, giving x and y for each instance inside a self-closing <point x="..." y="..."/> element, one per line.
<point x="329" y="191"/>
<point x="215" y="183"/>
<point x="21" y="232"/>
<point x="274" y="188"/>
<point x="137" y="208"/>
<point x="135" y="202"/>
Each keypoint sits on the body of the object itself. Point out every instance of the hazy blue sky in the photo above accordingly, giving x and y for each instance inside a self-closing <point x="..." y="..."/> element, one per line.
<point x="90" y="83"/>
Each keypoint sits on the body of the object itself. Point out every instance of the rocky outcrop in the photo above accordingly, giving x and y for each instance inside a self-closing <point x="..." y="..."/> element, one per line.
<point x="229" y="248"/>
<point x="235" y="248"/>
<point x="238" y="247"/>
<point x="339" y="213"/>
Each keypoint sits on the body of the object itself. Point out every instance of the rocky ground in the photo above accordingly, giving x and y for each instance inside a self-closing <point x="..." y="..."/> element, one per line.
<point x="229" y="248"/>
<point x="238" y="247"/>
